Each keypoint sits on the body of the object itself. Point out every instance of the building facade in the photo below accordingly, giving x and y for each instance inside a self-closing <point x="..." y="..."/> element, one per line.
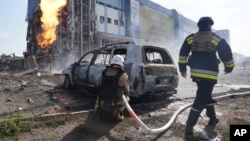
<point x="90" y="24"/>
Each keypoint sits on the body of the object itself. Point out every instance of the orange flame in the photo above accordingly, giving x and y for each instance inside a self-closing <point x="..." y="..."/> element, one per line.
<point x="50" y="12"/>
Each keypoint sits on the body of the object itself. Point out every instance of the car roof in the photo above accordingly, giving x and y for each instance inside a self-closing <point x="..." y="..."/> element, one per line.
<point x="126" y="45"/>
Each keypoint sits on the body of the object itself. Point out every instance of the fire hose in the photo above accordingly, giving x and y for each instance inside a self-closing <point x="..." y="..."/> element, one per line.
<point x="172" y="119"/>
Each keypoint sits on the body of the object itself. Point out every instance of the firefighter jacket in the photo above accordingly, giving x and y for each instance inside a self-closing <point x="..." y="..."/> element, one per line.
<point x="114" y="83"/>
<point x="200" y="50"/>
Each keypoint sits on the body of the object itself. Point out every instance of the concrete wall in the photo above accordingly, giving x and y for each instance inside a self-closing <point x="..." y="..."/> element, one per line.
<point x="156" y="26"/>
<point x="110" y="15"/>
<point x="100" y="12"/>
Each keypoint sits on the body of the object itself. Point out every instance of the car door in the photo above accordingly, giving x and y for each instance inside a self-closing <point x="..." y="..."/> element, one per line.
<point x="80" y="69"/>
<point x="100" y="62"/>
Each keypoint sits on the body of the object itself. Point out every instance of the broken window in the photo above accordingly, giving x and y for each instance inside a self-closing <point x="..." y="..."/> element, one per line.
<point x="122" y="52"/>
<point x="87" y="59"/>
<point x="109" y="20"/>
<point x="101" y="19"/>
<point x="157" y="56"/>
<point x="102" y="58"/>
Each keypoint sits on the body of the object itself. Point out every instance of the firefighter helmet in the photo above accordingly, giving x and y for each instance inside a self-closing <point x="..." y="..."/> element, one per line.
<point x="117" y="60"/>
<point x="205" y="21"/>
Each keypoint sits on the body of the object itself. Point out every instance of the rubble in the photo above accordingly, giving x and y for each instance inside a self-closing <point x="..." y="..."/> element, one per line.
<point x="47" y="83"/>
<point x="43" y="95"/>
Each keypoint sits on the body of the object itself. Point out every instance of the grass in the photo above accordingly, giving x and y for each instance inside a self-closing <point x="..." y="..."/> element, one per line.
<point x="13" y="125"/>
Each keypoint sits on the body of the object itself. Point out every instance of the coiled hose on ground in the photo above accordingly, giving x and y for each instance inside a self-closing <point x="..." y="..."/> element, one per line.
<point x="170" y="122"/>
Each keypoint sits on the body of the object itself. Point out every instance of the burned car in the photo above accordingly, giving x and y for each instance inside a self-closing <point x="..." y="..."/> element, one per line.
<point x="150" y="69"/>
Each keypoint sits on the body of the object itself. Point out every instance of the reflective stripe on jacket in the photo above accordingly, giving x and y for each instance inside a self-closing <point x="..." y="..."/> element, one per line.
<point x="203" y="60"/>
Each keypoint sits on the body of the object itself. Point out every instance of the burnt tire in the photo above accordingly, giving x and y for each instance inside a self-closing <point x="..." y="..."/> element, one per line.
<point x="67" y="84"/>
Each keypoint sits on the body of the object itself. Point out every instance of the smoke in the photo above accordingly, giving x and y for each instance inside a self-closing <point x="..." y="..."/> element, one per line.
<point x="159" y="29"/>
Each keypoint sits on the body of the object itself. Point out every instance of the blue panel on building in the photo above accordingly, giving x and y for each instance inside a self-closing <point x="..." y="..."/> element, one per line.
<point x="114" y="3"/>
<point x="134" y="19"/>
<point x="32" y="7"/>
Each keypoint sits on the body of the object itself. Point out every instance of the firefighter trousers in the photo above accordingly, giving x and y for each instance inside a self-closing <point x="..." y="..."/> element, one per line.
<point x="203" y="94"/>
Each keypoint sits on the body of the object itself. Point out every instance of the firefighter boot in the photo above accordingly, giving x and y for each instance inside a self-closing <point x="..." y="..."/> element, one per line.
<point x="191" y="121"/>
<point x="208" y="132"/>
<point x="118" y="114"/>
<point x="210" y="111"/>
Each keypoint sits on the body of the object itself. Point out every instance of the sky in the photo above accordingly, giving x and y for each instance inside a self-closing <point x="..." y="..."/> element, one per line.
<point x="13" y="26"/>
<point x="227" y="14"/>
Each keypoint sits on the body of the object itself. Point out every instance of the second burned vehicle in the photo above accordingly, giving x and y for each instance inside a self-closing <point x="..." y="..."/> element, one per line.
<point x="150" y="69"/>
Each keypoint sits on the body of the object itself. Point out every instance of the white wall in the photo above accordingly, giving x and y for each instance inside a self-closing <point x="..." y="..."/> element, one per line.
<point x="111" y="27"/>
<point x="99" y="12"/>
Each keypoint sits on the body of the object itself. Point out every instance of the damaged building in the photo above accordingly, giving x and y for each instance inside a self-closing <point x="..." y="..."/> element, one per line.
<point x="88" y="24"/>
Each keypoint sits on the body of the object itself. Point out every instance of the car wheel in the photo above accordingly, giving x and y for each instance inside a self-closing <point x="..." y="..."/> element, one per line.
<point x="67" y="83"/>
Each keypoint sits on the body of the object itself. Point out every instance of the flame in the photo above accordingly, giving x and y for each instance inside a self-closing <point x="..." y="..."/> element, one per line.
<point x="50" y="12"/>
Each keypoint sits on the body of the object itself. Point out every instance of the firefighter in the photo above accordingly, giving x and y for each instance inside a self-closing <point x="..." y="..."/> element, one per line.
<point x="199" y="51"/>
<point x="114" y="84"/>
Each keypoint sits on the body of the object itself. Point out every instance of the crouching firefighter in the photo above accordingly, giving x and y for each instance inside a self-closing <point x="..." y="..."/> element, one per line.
<point x="114" y="85"/>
